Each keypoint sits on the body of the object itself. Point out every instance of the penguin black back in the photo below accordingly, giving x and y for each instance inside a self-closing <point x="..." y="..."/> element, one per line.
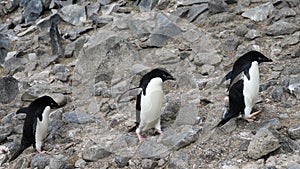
<point x="33" y="111"/>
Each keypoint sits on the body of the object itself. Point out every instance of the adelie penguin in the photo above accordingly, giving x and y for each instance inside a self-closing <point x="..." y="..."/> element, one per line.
<point x="35" y="124"/>
<point x="244" y="86"/>
<point x="149" y="100"/>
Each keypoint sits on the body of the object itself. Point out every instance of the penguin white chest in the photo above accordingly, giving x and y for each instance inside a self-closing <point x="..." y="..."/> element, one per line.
<point x="151" y="103"/>
<point x="251" y="86"/>
<point x="41" y="128"/>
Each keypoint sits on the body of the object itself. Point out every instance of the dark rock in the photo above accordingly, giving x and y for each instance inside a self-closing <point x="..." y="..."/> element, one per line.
<point x="296" y="53"/>
<point x="195" y="11"/>
<point x="163" y="4"/>
<point x="230" y="44"/>
<point x="53" y="129"/>
<point x="277" y="93"/>
<point x="294" y="131"/>
<point x="290" y="145"/>
<point x="8" y="89"/>
<point x="148" y="164"/>
<point x="46" y="22"/>
<point x="40" y="161"/>
<point x="266" y="85"/>
<point x="78" y="117"/>
<point x="74" y="14"/>
<point x="73" y="48"/>
<point x="147" y="5"/>
<point x="33" y="10"/>
<point x="55" y="40"/>
<point x="259" y="13"/>
<point x="122" y="161"/>
<point x="281" y="28"/>
<point x="216" y="6"/>
<point x="262" y="144"/>
<point x="95" y="153"/>
<point x="273" y="123"/>
<point x="59" y="164"/>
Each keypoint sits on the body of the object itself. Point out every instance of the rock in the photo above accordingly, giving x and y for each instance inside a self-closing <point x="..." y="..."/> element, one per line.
<point x="277" y="93"/>
<point x="95" y="153"/>
<point x="4" y="45"/>
<point x="74" y="14"/>
<point x="293" y="166"/>
<point x="3" y="158"/>
<point x="46" y="60"/>
<point x="33" y="10"/>
<point x="259" y="13"/>
<point x="100" y="21"/>
<point x="230" y="44"/>
<point x="294" y="89"/>
<point x="216" y="6"/>
<point x="59" y="164"/>
<point x="241" y="30"/>
<point x="281" y="28"/>
<point x="195" y="11"/>
<point x="73" y="48"/>
<point x="187" y="115"/>
<point x="252" y="34"/>
<point x="40" y="161"/>
<point x="61" y="72"/>
<point x="45" y="23"/>
<point x="262" y="144"/>
<point x="294" y="131"/>
<point x="273" y="123"/>
<point x="285" y="12"/>
<point x="8" y="89"/>
<point x="148" y="164"/>
<point x="80" y="163"/>
<point x="147" y="5"/>
<point x="122" y="161"/>
<point x="163" y="4"/>
<point x="182" y="139"/>
<point x="179" y="160"/>
<point x="55" y="40"/>
<point x="163" y="31"/>
<point x="78" y="117"/>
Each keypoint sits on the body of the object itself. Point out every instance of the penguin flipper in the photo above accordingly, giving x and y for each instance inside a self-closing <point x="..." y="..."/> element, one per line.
<point x="18" y="152"/>
<point x="22" y="110"/>
<point x="131" y="92"/>
<point x="227" y="77"/>
<point x="134" y="127"/>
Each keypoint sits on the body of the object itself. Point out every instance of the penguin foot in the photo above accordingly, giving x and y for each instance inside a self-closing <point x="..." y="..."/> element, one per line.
<point x="140" y="137"/>
<point x="41" y="152"/>
<point x="252" y="116"/>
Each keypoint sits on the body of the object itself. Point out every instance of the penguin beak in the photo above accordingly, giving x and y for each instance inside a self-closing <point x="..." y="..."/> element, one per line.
<point x="170" y="78"/>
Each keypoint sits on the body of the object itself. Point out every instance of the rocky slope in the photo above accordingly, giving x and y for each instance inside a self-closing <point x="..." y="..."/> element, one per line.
<point x="86" y="53"/>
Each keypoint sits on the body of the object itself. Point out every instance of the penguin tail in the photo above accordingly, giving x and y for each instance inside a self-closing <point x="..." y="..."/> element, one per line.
<point x="22" y="110"/>
<point x="18" y="152"/>
<point x="224" y="120"/>
<point x="134" y="127"/>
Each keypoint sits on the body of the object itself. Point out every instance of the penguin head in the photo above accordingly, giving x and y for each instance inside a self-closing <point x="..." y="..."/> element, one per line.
<point x="159" y="72"/>
<point x="46" y="101"/>
<point x="257" y="56"/>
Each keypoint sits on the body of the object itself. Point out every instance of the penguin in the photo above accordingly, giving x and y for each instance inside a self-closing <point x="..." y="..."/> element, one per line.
<point x="244" y="86"/>
<point x="35" y="124"/>
<point x="149" y="101"/>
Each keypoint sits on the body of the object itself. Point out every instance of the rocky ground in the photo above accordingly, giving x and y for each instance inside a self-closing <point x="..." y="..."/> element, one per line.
<point x="86" y="53"/>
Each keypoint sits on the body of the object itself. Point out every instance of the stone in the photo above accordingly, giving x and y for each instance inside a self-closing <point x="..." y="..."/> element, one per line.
<point x="94" y="153"/>
<point x="285" y="12"/>
<point x="122" y="161"/>
<point x="281" y="28"/>
<point x="230" y="44"/>
<point x="40" y="161"/>
<point x="4" y="45"/>
<point x="294" y="89"/>
<point x="78" y="117"/>
<point x="162" y="4"/>
<point x="59" y="164"/>
<point x="55" y="40"/>
<point x="61" y="72"/>
<point x="294" y="131"/>
<point x="277" y="93"/>
<point x="74" y="14"/>
<point x="259" y="13"/>
<point x="8" y="89"/>
<point x="263" y="143"/>
<point x="187" y="115"/>
<point x="45" y="23"/>
<point x="252" y="34"/>
<point x="80" y="163"/>
<point x="147" y="5"/>
<point x="33" y="10"/>
<point x="100" y="21"/>
<point x="148" y="164"/>
<point x="273" y="123"/>
<point x="216" y="6"/>
<point x="73" y="48"/>
<point x="293" y="165"/>
<point x="46" y="60"/>
<point x="195" y="11"/>
<point x="191" y="2"/>
<point x="241" y="30"/>
<point x="163" y="31"/>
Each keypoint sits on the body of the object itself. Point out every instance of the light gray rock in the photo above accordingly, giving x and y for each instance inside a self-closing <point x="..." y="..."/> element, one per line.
<point x="80" y="163"/>
<point x="195" y="11"/>
<point x="187" y="115"/>
<point x="122" y="161"/>
<point x="74" y="14"/>
<point x="59" y="164"/>
<point x="259" y="13"/>
<point x="216" y="6"/>
<point x="252" y="34"/>
<point x="78" y="117"/>
<point x="230" y="44"/>
<point x="73" y="48"/>
<point x="281" y="28"/>
<point x="4" y="45"/>
<point x="8" y="89"/>
<point x="294" y="89"/>
<point x="294" y="131"/>
<point x="277" y="93"/>
<point x="262" y="144"/>
<point x="95" y="153"/>
<point x="285" y="12"/>
<point x="147" y="5"/>
<point x="100" y="21"/>
<point x="293" y="166"/>
<point x="40" y="161"/>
